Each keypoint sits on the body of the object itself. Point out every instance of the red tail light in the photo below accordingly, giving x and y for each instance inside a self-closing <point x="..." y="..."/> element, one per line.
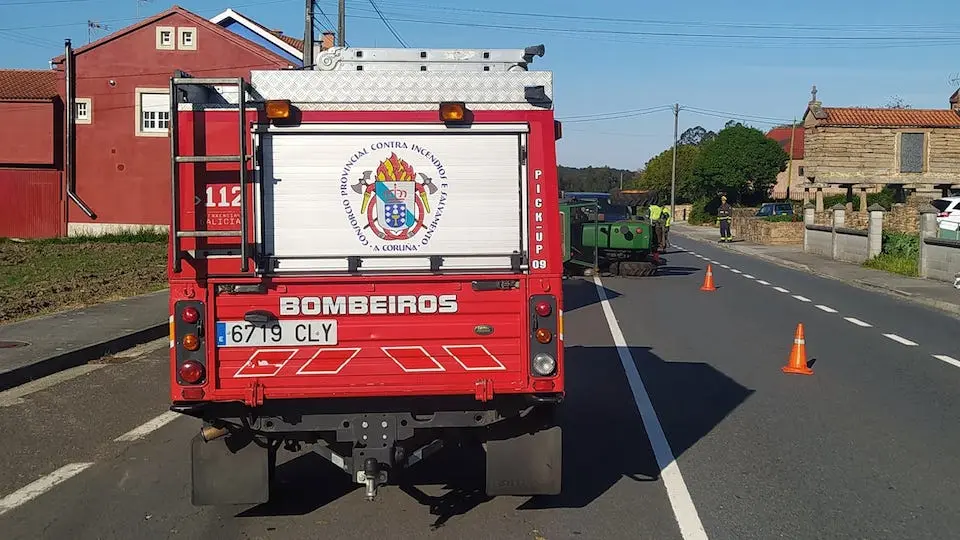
<point x="190" y="315"/>
<point x="543" y="309"/>
<point x="943" y="214"/>
<point x="191" y="372"/>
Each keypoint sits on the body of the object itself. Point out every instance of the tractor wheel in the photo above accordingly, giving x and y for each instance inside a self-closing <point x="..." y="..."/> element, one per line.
<point x="634" y="269"/>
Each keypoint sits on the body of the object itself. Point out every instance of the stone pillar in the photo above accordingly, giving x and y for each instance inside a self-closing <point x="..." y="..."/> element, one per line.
<point x="808" y="219"/>
<point x="875" y="230"/>
<point x="839" y="214"/>
<point x="928" y="229"/>
<point x="863" y="199"/>
<point x="819" y="199"/>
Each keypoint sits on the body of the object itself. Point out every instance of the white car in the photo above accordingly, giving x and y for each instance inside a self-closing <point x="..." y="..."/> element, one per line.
<point x="948" y="212"/>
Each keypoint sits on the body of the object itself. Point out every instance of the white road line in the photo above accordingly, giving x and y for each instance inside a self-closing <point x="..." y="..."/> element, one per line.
<point x="947" y="359"/>
<point x="40" y="486"/>
<point x="724" y="266"/>
<point x="762" y="282"/>
<point x="683" y="509"/>
<point x="899" y="339"/>
<point x="147" y="428"/>
<point x="735" y="271"/>
<point x="780" y="289"/>
<point x="748" y="276"/>
<point x="828" y="309"/>
<point x="857" y="322"/>
<point x="801" y="298"/>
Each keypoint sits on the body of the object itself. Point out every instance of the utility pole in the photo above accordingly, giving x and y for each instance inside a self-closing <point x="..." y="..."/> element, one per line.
<point x="621" y="180"/>
<point x="342" y="24"/>
<point x="308" y="36"/>
<point x="673" y="175"/>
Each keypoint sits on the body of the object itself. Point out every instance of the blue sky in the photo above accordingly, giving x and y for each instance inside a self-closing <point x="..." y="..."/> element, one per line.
<point x="746" y="59"/>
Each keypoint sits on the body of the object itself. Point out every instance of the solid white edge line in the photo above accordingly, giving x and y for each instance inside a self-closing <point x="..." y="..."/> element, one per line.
<point x="857" y="322"/>
<point x="41" y="485"/>
<point x="801" y="298"/>
<point x="683" y="507"/>
<point x="947" y="359"/>
<point x="828" y="309"/>
<point x="148" y="427"/>
<point x="899" y="339"/>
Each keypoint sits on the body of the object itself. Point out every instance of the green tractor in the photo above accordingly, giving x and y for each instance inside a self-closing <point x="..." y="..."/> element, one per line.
<point x="608" y="233"/>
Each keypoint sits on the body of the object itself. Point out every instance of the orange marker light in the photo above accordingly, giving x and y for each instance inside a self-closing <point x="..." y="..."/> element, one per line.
<point x="190" y="342"/>
<point x="543" y="335"/>
<point x="452" y="111"/>
<point x="278" y="109"/>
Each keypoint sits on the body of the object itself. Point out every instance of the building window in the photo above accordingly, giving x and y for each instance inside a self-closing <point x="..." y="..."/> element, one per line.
<point x="187" y="39"/>
<point x="165" y="38"/>
<point x="83" y="111"/>
<point x="153" y="112"/>
<point x="911" y="152"/>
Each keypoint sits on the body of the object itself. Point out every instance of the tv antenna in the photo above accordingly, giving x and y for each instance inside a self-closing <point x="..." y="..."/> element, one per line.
<point x="92" y="27"/>
<point x="140" y="3"/>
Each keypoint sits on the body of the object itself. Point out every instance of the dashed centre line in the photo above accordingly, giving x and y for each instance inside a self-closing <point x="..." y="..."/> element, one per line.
<point x="947" y="359"/>
<point x="780" y="289"/>
<point x="857" y="322"/>
<point x="901" y="340"/>
<point x="828" y="309"/>
<point x="801" y="298"/>
<point x="735" y="271"/>
<point x="42" y="485"/>
<point x="762" y="282"/>
<point x="748" y="276"/>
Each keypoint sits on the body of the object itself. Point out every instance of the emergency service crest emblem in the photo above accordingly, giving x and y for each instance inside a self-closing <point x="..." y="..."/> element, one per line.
<point x="399" y="207"/>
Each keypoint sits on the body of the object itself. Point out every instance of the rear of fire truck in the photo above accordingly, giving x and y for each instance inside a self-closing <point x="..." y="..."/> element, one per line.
<point x="365" y="263"/>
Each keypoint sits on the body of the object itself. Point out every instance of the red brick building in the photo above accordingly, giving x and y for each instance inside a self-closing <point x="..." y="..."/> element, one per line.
<point x="31" y="154"/>
<point x="122" y="148"/>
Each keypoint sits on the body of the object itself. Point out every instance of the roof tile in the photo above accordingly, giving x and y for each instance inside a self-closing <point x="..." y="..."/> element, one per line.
<point x="28" y="84"/>
<point x="837" y="116"/>
<point x="782" y="136"/>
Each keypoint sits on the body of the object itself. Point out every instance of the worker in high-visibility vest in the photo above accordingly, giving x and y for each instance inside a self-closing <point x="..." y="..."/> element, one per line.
<point x="667" y="221"/>
<point x="656" y="213"/>
<point x="725" y="216"/>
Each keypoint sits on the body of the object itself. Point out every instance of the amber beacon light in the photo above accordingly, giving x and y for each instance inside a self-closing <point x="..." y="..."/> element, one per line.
<point x="278" y="109"/>
<point x="453" y="111"/>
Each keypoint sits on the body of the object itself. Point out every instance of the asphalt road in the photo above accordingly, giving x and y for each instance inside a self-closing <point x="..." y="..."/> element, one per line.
<point x="864" y="448"/>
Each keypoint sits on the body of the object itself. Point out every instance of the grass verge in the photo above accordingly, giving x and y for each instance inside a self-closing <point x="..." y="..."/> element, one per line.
<point x="900" y="254"/>
<point x="897" y="264"/>
<point x="38" y="277"/>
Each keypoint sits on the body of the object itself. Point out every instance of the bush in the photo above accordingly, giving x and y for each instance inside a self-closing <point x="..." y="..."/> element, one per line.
<point x="900" y="254"/>
<point x="783" y="218"/>
<point x="699" y="215"/>
<point x="884" y="198"/>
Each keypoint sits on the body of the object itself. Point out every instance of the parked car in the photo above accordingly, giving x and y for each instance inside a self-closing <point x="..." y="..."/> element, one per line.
<point x="775" y="209"/>
<point x="948" y="211"/>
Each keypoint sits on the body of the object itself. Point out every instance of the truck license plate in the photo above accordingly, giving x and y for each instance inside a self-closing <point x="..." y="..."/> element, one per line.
<point x="277" y="333"/>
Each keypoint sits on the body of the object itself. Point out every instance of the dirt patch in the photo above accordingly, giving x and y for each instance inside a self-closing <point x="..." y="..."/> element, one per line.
<point x="37" y="278"/>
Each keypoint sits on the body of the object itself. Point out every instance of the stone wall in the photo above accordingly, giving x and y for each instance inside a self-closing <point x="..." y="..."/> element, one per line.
<point x="853" y="245"/>
<point x="819" y="242"/>
<point x="902" y="217"/>
<point x="768" y="233"/>
<point x="866" y="155"/>
<point x="942" y="259"/>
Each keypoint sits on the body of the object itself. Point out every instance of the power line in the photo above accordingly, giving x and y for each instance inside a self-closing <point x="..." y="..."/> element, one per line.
<point x="387" y="24"/>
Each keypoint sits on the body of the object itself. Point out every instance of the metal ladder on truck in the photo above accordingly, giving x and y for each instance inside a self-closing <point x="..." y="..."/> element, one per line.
<point x="177" y="84"/>
<point x="399" y="59"/>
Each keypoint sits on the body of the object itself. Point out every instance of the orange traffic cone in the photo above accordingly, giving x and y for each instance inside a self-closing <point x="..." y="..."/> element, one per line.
<point x="797" y="363"/>
<point x="708" y="280"/>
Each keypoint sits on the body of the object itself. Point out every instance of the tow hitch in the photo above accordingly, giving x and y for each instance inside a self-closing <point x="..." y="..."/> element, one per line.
<point x="372" y="476"/>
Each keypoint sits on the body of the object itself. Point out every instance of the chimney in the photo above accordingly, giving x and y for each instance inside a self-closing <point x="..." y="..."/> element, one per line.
<point x="327" y="42"/>
<point x="955" y="101"/>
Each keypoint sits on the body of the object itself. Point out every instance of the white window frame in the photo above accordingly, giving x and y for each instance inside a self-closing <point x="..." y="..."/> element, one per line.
<point x="181" y="32"/>
<point x="86" y="119"/>
<point x="152" y="132"/>
<point x="173" y="37"/>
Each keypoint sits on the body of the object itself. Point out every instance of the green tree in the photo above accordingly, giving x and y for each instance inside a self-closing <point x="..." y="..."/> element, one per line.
<point x="658" y="173"/>
<point x="741" y="162"/>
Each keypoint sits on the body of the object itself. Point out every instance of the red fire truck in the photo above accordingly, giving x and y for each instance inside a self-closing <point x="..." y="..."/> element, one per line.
<point x="365" y="262"/>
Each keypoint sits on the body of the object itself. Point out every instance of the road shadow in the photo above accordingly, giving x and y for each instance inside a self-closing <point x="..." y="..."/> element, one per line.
<point x="303" y="485"/>
<point x="582" y="292"/>
<point x="668" y="271"/>
<point x="604" y="440"/>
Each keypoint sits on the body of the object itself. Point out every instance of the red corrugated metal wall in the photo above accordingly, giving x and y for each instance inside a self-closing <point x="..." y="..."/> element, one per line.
<point x="30" y="203"/>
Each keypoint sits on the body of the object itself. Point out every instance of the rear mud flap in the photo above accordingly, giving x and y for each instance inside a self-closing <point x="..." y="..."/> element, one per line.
<point x="230" y="470"/>
<point x="526" y="465"/>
